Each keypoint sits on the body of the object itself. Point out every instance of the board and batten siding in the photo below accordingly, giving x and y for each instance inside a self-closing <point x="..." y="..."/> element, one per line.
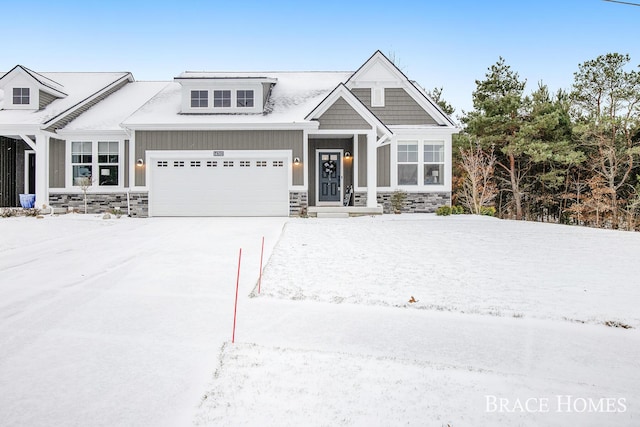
<point x="219" y="140"/>
<point x="57" y="161"/>
<point x="399" y="107"/>
<point x="341" y="115"/>
<point x="45" y="99"/>
<point x="362" y="160"/>
<point x="8" y="194"/>
<point x="384" y="166"/>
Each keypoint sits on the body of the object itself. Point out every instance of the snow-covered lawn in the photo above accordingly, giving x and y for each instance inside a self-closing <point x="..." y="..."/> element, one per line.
<point x="128" y="322"/>
<point x="462" y="263"/>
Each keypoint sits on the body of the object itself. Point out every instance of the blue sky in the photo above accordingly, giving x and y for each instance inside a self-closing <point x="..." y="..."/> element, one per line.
<point x="437" y="43"/>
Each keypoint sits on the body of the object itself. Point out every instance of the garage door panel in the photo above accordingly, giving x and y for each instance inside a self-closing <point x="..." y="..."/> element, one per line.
<point x="213" y="189"/>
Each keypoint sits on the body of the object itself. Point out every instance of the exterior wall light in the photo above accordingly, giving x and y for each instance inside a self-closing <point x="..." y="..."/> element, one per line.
<point x="296" y="160"/>
<point x="140" y="163"/>
<point x="347" y="154"/>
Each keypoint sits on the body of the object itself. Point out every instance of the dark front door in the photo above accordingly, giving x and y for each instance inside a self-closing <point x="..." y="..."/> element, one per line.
<point x="329" y="176"/>
<point x="32" y="173"/>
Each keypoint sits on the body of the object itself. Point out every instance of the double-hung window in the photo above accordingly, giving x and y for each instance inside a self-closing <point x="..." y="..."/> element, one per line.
<point x="407" y="163"/>
<point x="433" y="163"/>
<point x="244" y="98"/>
<point x="421" y="162"/>
<point x="199" y="99"/>
<point x="221" y="98"/>
<point x="81" y="162"/>
<point x="21" y="96"/>
<point x="108" y="157"/>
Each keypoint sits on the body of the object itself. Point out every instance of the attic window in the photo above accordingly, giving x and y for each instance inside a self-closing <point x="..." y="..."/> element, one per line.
<point x="245" y="98"/>
<point x="199" y="99"/>
<point x="20" y="96"/>
<point x="377" y="97"/>
<point x="222" y="98"/>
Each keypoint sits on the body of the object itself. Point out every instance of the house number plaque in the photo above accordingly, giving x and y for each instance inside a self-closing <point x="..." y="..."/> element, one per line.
<point x="218" y="154"/>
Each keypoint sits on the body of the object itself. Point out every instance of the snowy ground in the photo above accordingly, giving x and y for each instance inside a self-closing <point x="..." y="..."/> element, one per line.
<point x="128" y="322"/>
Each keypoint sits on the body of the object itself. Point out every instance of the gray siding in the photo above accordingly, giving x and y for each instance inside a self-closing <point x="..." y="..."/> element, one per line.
<point x="219" y="140"/>
<point x="125" y="164"/>
<point x="384" y="166"/>
<point x="57" y="158"/>
<point x="362" y="160"/>
<point x="65" y="120"/>
<point x="399" y="107"/>
<point x="319" y="144"/>
<point x="342" y="116"/>
<point x="45" y="99"/>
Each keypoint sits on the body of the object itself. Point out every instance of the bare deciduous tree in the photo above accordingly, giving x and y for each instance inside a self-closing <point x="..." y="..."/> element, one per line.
<point x="478" y="188"/>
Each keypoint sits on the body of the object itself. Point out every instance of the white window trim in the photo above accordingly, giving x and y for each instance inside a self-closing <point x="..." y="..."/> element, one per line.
<point x="95" y="165"/>
<point x="234" y="87"/>
<point x="421" y="187"/>
<point x="199" y="90"/>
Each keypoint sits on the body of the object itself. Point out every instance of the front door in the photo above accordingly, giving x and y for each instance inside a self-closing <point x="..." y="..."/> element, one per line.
<point x="329" y="165"/>
<point x="31" y="172"/>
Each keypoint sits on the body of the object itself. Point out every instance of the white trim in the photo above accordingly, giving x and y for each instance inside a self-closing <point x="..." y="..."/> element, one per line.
<point x="420" y="187"/>
<point x="341" y="176"/>
<point x="95" y="164"/>
<point x="28" y="141"/>
<point x="222" y="126"/>
<point x="91" y="134"/>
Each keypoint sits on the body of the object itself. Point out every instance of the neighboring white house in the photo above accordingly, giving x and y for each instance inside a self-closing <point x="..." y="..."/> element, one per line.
<point x="225" y="144"/>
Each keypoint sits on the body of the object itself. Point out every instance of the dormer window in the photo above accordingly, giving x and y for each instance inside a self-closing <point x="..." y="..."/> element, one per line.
<point x="199" y="99"/>
<point x="21" y="96"/>
<point x="221" y="98"/>
<point x="244" y="98"/>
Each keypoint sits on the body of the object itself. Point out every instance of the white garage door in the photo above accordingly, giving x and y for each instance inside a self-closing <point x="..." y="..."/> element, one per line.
<point x="236" y="186"/>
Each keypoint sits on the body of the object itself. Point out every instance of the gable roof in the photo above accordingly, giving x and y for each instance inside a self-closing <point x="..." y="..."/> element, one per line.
<point x="46" y="84"/>
<point x="341" y="91"/>
<point x="80" y="89"/>
<point x="418" y="94"/>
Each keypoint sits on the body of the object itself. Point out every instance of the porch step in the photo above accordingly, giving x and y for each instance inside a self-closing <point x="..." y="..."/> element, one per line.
<point x="332" y="214"/>
<point x="343" y="211"/>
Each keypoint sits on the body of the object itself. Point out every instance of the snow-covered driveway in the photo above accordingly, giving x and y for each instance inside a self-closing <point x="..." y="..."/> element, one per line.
<point x="117" y="322"/>
<point x="124" y="322"/>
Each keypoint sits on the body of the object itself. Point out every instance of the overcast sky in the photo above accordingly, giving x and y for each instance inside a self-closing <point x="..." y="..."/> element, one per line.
<point x="448" y="43"/>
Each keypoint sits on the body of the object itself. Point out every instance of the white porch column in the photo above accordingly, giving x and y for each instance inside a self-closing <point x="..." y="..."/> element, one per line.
<point x="42" y="170"/>
<point x="372" y="170"/>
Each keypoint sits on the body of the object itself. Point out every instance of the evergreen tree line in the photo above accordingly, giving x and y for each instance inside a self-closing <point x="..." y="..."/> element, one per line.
<point x="571" y="157"/>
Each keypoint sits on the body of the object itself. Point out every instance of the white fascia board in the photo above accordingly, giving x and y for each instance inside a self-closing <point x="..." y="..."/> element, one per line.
<point x="223" y="81"/>
<point x="413" y="130"/>
<point x="223" y="126"/>
<point x="13" y="129"/>
<point x="92" y="135"/>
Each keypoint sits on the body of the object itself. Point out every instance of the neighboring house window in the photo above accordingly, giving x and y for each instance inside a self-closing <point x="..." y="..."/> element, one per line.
<point x="245" y="98"/>
<point x="81" y="160"/>
<point x="108" y="162"/>
<point x="199" y="99"/>
<point x="222" y="98"/>
<point x="433" y="163"/>
<point x="407" y="163"/>
<point x="20" y="96"/>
